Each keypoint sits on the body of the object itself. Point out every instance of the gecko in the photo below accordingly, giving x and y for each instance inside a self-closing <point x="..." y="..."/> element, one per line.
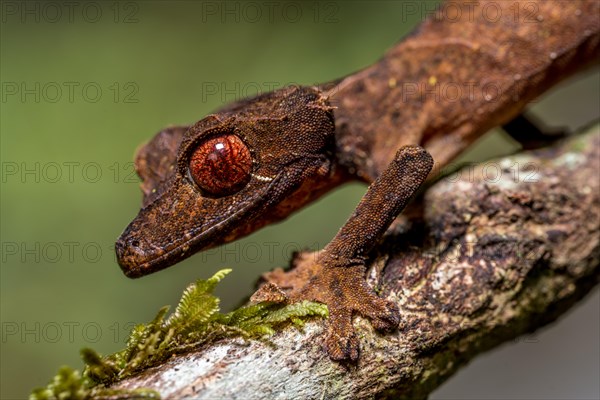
<point x="254" y="162"/>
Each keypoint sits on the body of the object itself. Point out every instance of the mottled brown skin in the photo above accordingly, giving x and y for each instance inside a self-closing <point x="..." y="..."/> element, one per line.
<point x="411" y="95"/>
<point x="304" y="141"/>
<point x="289" y="134"/>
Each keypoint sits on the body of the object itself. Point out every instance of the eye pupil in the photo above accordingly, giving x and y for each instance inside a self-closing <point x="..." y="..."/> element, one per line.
<point x="221" y="165"/>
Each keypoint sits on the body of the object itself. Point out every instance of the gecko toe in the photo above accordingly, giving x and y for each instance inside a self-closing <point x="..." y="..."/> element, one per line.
<point x="269" y="292"/>
<point x="385" y="318"/>
<point x="342" y="348"/>
<point x="341" y="342"/>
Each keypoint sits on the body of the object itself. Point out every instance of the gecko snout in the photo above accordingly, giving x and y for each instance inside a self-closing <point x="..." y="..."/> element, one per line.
<point x="133" y="256"/>
<point x="139" y="254"/>
<point x="128" y="252"/>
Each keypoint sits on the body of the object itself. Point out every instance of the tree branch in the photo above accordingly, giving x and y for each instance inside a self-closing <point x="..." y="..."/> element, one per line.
<point x="503" y="248"/>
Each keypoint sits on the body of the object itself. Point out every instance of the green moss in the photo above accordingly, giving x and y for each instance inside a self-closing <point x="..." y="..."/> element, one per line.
<point x="196" y="321"/>
<point x="67" y="384"/>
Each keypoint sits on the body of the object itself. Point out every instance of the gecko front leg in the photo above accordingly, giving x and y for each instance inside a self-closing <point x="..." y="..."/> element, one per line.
<point x="338" y="278"/>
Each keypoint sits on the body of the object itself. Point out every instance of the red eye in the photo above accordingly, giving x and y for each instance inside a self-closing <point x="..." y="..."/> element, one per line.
<point x="221" y="165"/>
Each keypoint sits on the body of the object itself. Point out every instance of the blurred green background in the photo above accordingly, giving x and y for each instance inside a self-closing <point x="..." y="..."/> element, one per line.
<point x="83" y="84"/>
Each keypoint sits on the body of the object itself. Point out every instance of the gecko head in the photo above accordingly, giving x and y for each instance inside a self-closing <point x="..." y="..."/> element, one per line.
<point x="236" y="170"/>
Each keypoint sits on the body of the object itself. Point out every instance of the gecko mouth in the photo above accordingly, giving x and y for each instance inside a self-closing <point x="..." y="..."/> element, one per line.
<point x="159" y="237"/>
<point x="138" y="257"/>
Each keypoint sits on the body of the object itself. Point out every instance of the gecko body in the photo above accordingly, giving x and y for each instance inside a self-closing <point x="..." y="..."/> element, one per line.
<point x="257" y="160"/>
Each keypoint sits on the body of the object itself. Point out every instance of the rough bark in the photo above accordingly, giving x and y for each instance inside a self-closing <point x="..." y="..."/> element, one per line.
<point x="502" y="249"/>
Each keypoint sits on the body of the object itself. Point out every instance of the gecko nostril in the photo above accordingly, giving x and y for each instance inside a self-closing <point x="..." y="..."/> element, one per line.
<point x="129" y="255"/>
<point x="126" y="248"/>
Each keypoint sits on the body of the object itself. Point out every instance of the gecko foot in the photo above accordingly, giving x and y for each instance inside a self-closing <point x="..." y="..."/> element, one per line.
<point x="346" y="292"/>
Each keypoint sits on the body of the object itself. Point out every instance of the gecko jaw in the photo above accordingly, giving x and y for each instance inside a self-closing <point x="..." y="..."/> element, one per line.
<point x="136" y="261"/>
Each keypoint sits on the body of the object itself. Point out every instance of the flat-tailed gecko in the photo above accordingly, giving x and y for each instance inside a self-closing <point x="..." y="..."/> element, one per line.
<point x="256" y="161"/>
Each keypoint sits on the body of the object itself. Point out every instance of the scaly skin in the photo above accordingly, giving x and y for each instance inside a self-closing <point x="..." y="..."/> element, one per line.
<point x="304" y="141"/>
